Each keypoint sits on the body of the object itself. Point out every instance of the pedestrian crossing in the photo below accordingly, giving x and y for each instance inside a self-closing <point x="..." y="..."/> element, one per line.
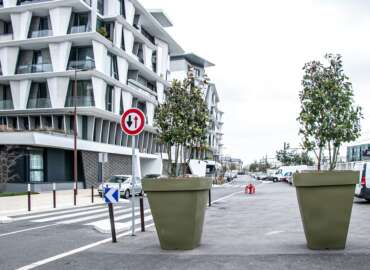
<point x="88" y="216"/>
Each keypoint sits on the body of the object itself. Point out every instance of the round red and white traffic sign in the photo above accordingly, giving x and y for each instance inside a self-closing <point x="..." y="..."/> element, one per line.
<point x="133" y="122"/>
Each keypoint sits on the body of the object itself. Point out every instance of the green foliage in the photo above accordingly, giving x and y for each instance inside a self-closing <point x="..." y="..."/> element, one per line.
<point x="261" y="166"/>
<point x="328" y="116"/>
<point x="290" y="157"/>
<point x="182" y="120"/>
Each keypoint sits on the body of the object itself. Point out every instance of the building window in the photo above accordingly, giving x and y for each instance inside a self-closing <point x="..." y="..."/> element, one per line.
<point x="81" y="58"/>
<point x="121" y="108"/>
<point x="109" y="98"/>
<point x="80" y="22"/>
<point x="6" y="102"/>
<point x="40" y="27"/>
<point x="123" y="46"/>
<point x="101" y="7"/>
<point x="84" y="95"/>
<point x="147" y="35"/>
<point x="105" y="29"/>
<point x="138" y="51"/>
<point x="39" y="96"/>
<point x="36" y="166"/>
<point x="123" y="8"/>
<point x="113" y="68"/>
<point x="84" y="127"/>
<point x="34" y="61"/>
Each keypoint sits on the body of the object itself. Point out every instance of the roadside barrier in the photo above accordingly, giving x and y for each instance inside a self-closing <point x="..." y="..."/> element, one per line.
<point x="29" y="197"/>
<point x="54" y="195"/>
<point x="209" y="198"/>
<point x="92" y="194"/>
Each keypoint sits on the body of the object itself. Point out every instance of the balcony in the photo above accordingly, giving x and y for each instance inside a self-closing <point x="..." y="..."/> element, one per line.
<point x="80" y="102"/>
<point x="41" y="33"/>
<point x="81" y="64"/>
<point x="6" y="105"/>
<point x="38" y="103"/>
<point x="34" y="68"/>
<point x="80" y="29"/>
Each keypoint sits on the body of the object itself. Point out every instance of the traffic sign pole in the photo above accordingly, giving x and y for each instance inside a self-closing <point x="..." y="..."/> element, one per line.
<point x="133" y="182"/>
<point x="112" y="224"/>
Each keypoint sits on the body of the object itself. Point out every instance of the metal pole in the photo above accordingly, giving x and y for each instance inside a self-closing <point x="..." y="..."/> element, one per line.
<point x="92" y="194"/>
<point x="74" y="194"/>
<point x="75" y="133"/>
<point x="112" y="225"/>
<point x="133" y="182"/>
<point x="54" y="196"/>
<point x="142" y="214"/>
<point x="29" y="197"/>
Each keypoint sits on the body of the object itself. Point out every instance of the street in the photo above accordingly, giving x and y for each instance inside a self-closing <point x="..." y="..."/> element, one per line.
<point x="34" y="237"/>
<point x="260" y="231"/>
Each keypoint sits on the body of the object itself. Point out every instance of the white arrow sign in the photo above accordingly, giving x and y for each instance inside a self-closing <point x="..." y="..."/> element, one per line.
<point x="111" y="195"/>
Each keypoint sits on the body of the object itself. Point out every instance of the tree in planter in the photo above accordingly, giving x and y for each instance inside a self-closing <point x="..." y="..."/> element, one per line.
<point x="328" y="117"/>
<point x="182" y="121"/>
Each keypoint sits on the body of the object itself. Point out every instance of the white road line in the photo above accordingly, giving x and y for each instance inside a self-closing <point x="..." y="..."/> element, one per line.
<point x="74" y="251"/>
<point x="226" y="197"/>
<point x="83" y="213"/>
<point x="57" y="213"/>
<point x="93" y="217"/>
<point x="273" y="232"/>
<point x="117" y="218"/>
<point x="29" y="229"/>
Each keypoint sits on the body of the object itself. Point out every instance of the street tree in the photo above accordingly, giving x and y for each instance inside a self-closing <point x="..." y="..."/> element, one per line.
<point x="328" y="116"/>
<point x="8" y="160"/>
<point x="182" y="122"/>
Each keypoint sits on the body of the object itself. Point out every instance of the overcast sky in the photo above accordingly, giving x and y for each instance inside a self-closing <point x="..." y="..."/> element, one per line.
<point x="259" y="48"/>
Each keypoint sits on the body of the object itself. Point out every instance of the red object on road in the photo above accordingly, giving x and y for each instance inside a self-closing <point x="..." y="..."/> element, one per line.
<point x="250" y="189"/>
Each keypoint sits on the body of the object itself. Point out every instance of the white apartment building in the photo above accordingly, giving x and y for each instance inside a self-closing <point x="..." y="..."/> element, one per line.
<point x="180" y="66"/>
<point x="120" y="55"/>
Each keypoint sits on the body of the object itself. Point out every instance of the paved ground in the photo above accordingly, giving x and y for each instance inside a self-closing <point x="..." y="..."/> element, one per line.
<point x="43" y="235"/>
<point x="44" y="201"/>
<point x="263" y="231"/>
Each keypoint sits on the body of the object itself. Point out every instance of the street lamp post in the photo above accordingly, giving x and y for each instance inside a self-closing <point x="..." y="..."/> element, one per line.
<point x="75" y="170"/>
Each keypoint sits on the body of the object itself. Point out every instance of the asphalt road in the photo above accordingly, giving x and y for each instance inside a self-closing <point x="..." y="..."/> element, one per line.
<point x="261" y="231"/>
<point x="39" y="236"/>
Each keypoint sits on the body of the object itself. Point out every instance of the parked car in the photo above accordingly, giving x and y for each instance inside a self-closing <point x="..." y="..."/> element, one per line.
<point x="262" y="176"/>
<point x="124" y="184"/>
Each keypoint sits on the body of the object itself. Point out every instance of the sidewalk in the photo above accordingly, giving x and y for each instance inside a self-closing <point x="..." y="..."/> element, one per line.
<point x="17" y="205"/>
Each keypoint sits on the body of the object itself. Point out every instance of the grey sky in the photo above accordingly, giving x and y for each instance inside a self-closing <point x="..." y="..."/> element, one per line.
<point x="259" y="48"/>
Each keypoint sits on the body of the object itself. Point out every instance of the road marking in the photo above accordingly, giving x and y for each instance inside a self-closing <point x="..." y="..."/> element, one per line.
<point x="116" y="218"/>
<point x="273" y="232"/>
<point x="83" y="213"/>
<point x="226" y="197"/>
<point x="74" y="251"/>
<point x="29" y="229"/>
<point x="56" y="213"/>
<point x="93" y="217"/>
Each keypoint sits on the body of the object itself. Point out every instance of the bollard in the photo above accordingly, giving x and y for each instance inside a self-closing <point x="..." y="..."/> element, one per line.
<point x="54" y="196"/>
<point x="112" y="224"/>
<point x="29" y="196"/>
<point x="209" y="198"/>
<point x="74" y="194"/>
<point x="142" y="214"/>
<point x="92" y="194"/>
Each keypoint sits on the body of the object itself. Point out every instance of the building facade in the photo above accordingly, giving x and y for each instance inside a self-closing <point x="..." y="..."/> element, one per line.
<point x="181" y="64"/>
<point x="358" y="151"/>
<point x="114" y="53"/>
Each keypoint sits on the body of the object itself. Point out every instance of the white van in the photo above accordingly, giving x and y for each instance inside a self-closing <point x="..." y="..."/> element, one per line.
<point x="363" y="183"/>
<point x="285" y="173"/>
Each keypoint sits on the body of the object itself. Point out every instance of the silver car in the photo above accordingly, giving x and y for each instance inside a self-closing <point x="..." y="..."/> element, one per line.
<point x="124" y="184"/>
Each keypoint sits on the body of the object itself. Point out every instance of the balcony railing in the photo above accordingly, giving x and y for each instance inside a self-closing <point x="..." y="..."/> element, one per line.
<point x="80" y="102"/>
<point x="81" y="64"/>
<point x="34" y="68"/>
<point x="6" y="37"/>
<point x="6" y="105"/>
<point x="35" y="103"/>
<point x="80" y="29"/>
<point x="26" y="2"/>
<point x="41" y="33"/>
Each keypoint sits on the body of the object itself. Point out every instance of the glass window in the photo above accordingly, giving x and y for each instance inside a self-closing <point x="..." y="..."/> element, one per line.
<point x="36" y="166"/>
<point x="80" y="23"/>
<point x="84" y="95"/>
<point x="81" y="58"/>
<point x="39" y="96"/>
<point x="6" y="101"/>
<point x="101" y="6"/>
<point x="109" y="98"/>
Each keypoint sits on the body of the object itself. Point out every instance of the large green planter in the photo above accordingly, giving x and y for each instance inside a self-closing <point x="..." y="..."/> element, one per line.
<point x="325" y="201"/>
<point x="178" y="207"/>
